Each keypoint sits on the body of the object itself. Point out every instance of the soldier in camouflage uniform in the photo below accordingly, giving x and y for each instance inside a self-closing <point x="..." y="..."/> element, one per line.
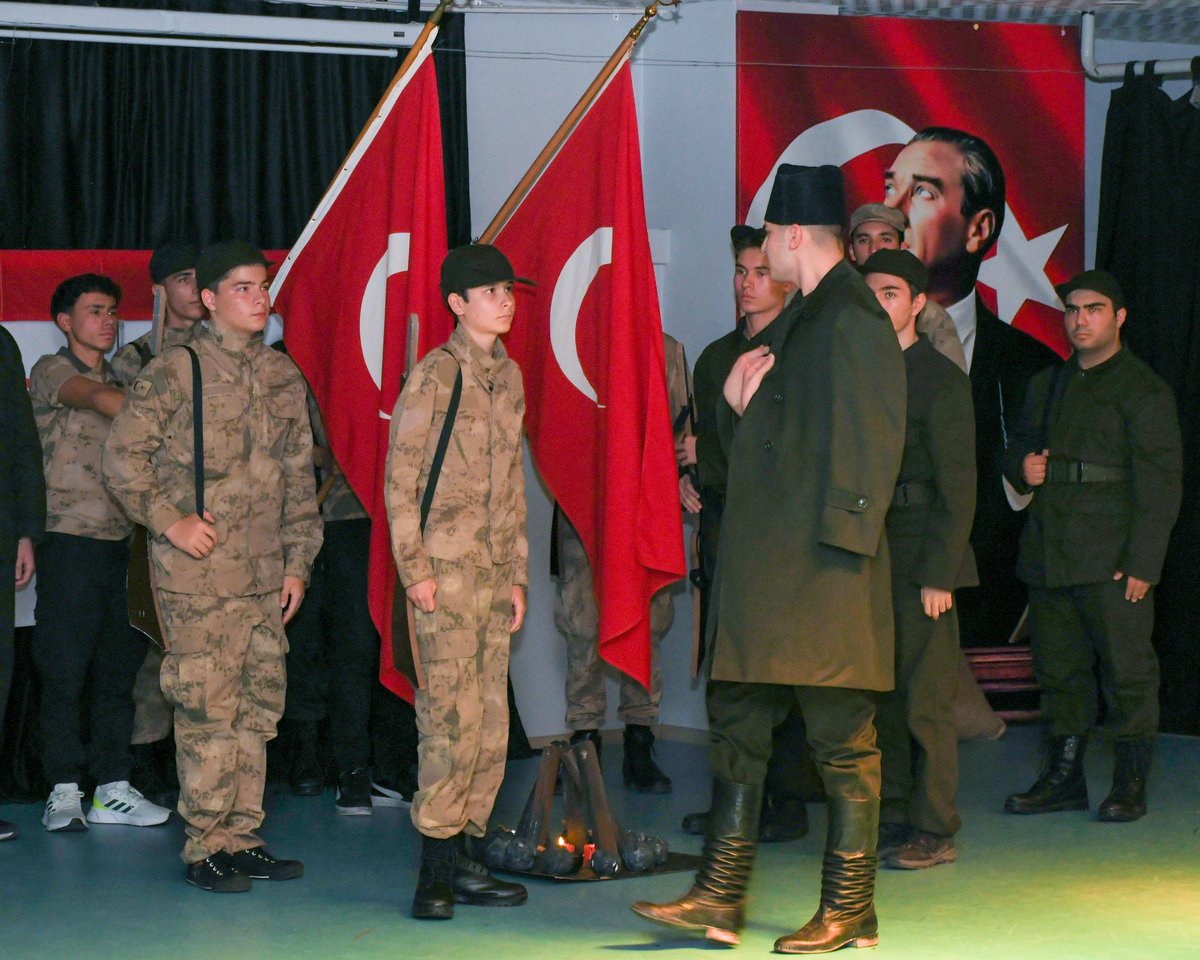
<point x="577" y="618"/>
<point x="85" y="650"/>
<point x="230" y="578"/>
<point x="465" y="573"/>
<point x="173" y="274"/>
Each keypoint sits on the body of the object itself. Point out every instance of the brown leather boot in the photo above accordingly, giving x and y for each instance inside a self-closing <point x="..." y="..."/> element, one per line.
<point x="846" y="916"/>
<point x="716" y="903"/>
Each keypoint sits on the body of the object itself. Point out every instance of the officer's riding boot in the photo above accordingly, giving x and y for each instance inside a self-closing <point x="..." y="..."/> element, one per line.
<point x="641" y="773"/>
<point x="846" y="916"/>
<point x="716" y="903"/>
<point x="1127" y="799"/>
<point x="475" y="886"/>
<point x="434" y="897"/>
<point x="1061" y="786"/>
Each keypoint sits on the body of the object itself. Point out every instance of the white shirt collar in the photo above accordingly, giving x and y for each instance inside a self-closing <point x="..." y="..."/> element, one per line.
<point x="964" y="317"/>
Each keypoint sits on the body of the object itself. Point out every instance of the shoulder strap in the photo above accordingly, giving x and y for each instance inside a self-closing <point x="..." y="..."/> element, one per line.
<point x="439" y="454"/>
<point x="143" y="352"/>
<point x="197" y="429"/>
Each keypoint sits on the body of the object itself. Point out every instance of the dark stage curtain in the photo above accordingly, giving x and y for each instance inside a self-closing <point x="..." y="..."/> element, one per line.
<point x="1149" y="208"/>
<point x="106" y="145"/>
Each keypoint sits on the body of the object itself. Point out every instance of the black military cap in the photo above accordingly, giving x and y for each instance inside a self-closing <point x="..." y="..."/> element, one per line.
<point x="1098" y="280"/>
<point x="747" y="236"/>
<point x="898" y="263"/>
<point x="218" y="259"/>
<point x="807" y="195"/>
<point x="475" y="265"/>
<point x="171" y="257"/>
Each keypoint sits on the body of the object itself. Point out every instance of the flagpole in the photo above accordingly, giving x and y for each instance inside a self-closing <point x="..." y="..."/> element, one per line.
<point x="571" y="122"/>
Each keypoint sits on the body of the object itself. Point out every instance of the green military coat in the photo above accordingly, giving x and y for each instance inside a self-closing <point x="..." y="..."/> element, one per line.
<point x="802" y="593"/>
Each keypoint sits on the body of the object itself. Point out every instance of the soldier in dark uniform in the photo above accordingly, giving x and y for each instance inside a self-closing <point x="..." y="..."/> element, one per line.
<point x="1099" y="443"/>
<point x="928" y="526"/>
<point x="801" y="608"/>
<point x="759" y="301"/>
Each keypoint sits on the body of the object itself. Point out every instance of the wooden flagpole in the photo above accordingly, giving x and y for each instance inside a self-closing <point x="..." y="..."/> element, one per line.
<point x="571" y="122"/>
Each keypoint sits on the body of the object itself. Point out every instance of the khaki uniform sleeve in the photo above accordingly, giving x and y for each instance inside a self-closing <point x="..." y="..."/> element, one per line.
<point x="516" y="479"/>
<point x="137" y="434"/>
<point x="126" y="363"/>
<point x="412" y="419"/>
<point x="678" y="385"/>
<point x="47" y="377"/>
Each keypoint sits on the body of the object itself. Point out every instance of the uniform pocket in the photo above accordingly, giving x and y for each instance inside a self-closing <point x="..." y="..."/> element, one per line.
<point x="184" y="682"/>
<point x="442" y="635"/>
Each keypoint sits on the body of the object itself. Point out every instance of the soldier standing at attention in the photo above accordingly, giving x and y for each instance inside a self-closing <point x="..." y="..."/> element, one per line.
<point x="928" y="526"/>
<point x="578" y="619"/>
<point x="173" y="275"/>
<point x="1098" y="442"/>
<point x="465" y="573"/>
<point x="84" y="650"/>
<point x="230" y="576"/>
<point x="813" y="425"/>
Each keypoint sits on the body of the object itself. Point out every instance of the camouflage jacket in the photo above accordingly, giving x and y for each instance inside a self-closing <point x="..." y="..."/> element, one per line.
<point x="128" y="361"/>
<point x="478" y="509"/>
<point x="258" y="479"/>
<point x="72" y="443"/>
<point x="340" y="502"/>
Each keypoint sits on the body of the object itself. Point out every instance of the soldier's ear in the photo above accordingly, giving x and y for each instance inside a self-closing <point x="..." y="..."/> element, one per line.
<point x="458" y="306"/>
<point x="1120" y="318"/>
<point x="209" y="299"/>
<point x="63" y="322"/>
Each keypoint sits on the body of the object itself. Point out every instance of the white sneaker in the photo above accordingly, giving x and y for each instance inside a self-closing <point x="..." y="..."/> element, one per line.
<point x="382" y="796"/>
<point x="118" y="802"/>
<point x="63" y="811"/>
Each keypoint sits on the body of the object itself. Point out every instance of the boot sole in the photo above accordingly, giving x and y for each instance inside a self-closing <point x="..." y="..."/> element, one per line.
<point x="1107" y="817"/>
<point x="434" y="913"/>
<point x="485" y="902"/>
<point x="730" y="938"/>
<point x="221" y="888"/>
<point x="894" y="864"/>
<point x="1049" y="808"/>
<point x="860" y="943"/>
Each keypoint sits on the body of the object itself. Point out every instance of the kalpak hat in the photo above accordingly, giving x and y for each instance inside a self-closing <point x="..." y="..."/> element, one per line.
<point x="174" y="256"/>
<point x="1098" y="280"/>
<point x="218" y="259"/>
<point x="898" y="263"/>
<point x="809" y="196"/>
<point x="476" y="265"/>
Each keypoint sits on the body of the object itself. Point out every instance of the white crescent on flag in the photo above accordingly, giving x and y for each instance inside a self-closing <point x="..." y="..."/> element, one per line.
<point x="373" y="312"/>
<point x="573" y="282"/>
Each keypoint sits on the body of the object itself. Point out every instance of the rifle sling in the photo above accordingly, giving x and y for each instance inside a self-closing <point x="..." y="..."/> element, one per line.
<point x="435" y="468"/>
<point x="197" y="430"/>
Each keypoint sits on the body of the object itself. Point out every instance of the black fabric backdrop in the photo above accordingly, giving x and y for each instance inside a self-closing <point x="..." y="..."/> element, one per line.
<point x="1148" y="239"/>
<point x="108" y="145"/>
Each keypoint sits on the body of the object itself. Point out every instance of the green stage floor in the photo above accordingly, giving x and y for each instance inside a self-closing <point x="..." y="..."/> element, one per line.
<point x="1025" y="888"/>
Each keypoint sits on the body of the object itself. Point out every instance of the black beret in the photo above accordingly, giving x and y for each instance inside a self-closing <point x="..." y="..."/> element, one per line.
<point x="475" y="265"/>
<point x="171" y="257"/>
<point x="218" y="259"/>
<point x="1097" y="280"/>
<point x="898" y="263"/>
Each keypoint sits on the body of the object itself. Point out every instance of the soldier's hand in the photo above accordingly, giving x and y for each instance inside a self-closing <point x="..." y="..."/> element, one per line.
<point x="291" y="596"/>
<point x="688" y="495"/>
<point x="194" y="536"/>
<point x="1033" y="468"/>
<point x="685" y="451"/>
<point x="25" y="562"/>
<point x="518" y="616"/>
<point x="423" y="595"/>
<point x="746" y="376"/>
<point x="1135" y="589"/>
<point x="935" y="601"/>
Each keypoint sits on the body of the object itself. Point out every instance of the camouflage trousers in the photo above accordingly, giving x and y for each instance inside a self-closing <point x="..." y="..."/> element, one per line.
<point x="462" y="713"/>
<point x="151" y="711"/>
<point x="577" y="618"/>
<point x="225" y="676"/>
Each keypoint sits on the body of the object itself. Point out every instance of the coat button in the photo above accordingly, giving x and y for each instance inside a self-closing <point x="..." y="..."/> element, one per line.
<point x="862" y="502"/>
<point x="767" y="444"/>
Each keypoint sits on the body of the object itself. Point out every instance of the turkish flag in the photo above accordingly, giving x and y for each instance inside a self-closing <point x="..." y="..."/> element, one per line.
<point x="588" y="340"/>
<point x="852" y="91"/>
<point x="368" y="259"/>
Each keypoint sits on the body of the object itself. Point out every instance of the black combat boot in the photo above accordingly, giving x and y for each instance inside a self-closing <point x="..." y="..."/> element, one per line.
<point x="305" y="776"/>
<point x="716" y="903"/>
<point x="846" y="916"/>
<point x="475" y="886"/>
<point x="641" y="773"/>
<point x="1061" y="785"/>
<point x="1127" y="799"/>
<point x="434" y="897"/>
<point x="593" y="735"/>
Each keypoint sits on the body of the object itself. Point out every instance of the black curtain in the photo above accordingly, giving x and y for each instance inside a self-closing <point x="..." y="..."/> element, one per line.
<point x="1148" y="239"/>
<point x="107" y="145"/>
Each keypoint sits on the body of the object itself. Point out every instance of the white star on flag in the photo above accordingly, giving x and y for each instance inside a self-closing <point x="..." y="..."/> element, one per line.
<point x="1017" y="271"/>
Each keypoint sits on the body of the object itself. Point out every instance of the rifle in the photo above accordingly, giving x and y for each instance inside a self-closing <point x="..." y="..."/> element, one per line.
<point x="158" y="321"/>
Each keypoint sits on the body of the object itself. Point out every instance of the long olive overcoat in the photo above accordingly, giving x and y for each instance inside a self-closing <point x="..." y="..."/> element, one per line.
<point x="802" y="592"/>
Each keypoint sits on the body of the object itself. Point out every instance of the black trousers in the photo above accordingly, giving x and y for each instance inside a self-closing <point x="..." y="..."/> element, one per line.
<point x="86" y="655"/>
<point x="8" y="614"/>
<point x="306" y="667"/>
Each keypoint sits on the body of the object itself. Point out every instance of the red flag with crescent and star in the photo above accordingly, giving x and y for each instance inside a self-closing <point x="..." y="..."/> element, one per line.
<point x="851" y="91"/>
<point x="589" y="343"/>
<point x="368" y="259"/>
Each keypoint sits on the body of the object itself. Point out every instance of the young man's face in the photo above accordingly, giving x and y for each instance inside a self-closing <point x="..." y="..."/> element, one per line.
<point x="183" y="299"/>
<point x="1091" y="323"/>
<point x="487" y="311"/>
<point x="871" y="236"/>
<point x="895" y="296"/>
<point x="91" y="323"/>
<point x="756" y="293"/>
<point x="242" y="302"/>
<point x="775" y="247"/>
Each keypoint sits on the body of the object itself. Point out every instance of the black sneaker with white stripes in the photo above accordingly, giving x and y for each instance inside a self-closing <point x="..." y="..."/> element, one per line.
<point x="260" y="865"/>
<point x="217" y="874"/>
